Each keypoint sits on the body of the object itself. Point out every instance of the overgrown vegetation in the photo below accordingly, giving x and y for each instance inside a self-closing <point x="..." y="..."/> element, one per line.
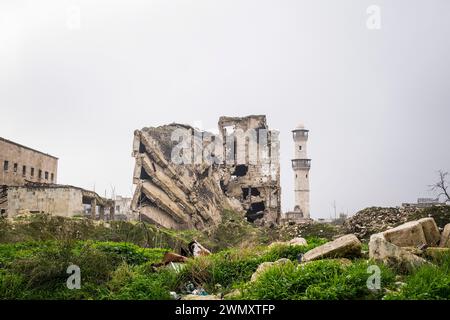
<point x="430" y="282"/>
<point x="116" y="263"/>
<point x="233" y="231"/>
<point x="323" y="279"/>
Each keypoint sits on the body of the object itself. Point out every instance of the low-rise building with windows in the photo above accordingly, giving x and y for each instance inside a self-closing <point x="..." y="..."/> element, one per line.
<point x="20" y="164"/>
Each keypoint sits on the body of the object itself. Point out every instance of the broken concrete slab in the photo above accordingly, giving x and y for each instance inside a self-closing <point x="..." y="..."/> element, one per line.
<point x="409" y="234"/>
<point x="445" y="237"/>
<point x="430" y="230"/>
<point x="267" y="265"/>
<point x="298" y="241"/>
<point x="343" y="247"/>
<point x="381" y="250"/>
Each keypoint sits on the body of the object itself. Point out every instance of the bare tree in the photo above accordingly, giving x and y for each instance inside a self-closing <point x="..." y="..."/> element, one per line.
<point x="441" y="187"/>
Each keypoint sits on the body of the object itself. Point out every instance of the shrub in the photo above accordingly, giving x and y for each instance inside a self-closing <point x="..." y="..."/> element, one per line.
<point x="121" y="277"/>
<point x="323" y="279"/>
<point x="155" y="286"/>
<point x="291" y="252"/>
<point x="131" y="253"/>
<point x="44" y="273"/>
<point x="11" y="285"/>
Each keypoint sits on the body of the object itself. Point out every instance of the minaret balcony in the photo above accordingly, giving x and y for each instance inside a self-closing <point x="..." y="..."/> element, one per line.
<point x="300" y="134"/>
<point x="301" y="164"/>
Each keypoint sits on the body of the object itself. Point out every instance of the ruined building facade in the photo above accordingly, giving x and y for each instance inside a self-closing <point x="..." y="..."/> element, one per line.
<point x="28" y="184"/>
<point x="20" y="164"/>
<point x="54" y="199"/>
<point x="185" y="177"/>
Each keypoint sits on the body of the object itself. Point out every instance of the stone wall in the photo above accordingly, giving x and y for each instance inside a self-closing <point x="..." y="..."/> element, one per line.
<point x="19" y="163"/>
<point x="59" y="200"/>
<point x="56" y="201"/>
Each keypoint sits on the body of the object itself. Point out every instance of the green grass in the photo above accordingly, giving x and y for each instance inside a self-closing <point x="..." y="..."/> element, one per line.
<point x="131" y="283"/>
<point x="325" y="279"/>
<point x="429" y="282"/>
<point x="37" y="270"/>
<point x="116" y="263"/>
<point x="231" y="267"/>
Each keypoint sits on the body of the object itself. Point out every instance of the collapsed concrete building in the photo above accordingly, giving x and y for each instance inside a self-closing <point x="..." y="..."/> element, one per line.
<point x="185" y="177"/>
<point x="54" y="199"/>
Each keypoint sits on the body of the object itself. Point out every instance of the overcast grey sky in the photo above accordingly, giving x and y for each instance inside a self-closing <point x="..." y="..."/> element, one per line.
<point x="377" y="102"/>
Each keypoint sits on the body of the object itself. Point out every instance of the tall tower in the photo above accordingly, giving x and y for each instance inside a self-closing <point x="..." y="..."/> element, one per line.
<point x="301" y="165"/>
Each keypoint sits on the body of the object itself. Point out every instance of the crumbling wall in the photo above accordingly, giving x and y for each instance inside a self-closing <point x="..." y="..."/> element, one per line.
<point x="194" y="193"/>
<point x="253" y="178"/>
<point x="56" y="201"/>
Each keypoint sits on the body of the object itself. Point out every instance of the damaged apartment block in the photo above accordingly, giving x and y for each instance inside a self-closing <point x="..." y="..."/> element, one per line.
<point x="244" y="175"/>
<point x="252" y="178"/>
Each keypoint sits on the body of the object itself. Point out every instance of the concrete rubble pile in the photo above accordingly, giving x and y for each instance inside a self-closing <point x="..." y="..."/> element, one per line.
<point x="376" y="219"/>
<point x="193" y="195"/>
<point x="407" y="245"/>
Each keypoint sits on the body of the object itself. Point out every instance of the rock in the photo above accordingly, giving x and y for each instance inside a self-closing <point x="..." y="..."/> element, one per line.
<point x="346" y="246"/>
<point x="414" y="250"/>
<point x="267" y="265"/>
<point x="431" y="231"/>
<point x="409" y="234"/>
<point x="376" y="219"/>
<point x="174" y="295"/>
<point x="197" y="249"/>
<point x="276" y="243"/>
<point x="445" y="237"/>
<point x="199" y="297"/>
<point x="381" y="250"/>
<point x="233" y="294"/>
<point x="298" y="241"/>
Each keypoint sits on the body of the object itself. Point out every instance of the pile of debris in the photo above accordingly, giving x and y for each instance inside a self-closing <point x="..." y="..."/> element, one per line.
<point x="407" y="245"/>
<point x="377" y="219"/>
<point x="185" y="177"/>
<point x="308" y="228"/>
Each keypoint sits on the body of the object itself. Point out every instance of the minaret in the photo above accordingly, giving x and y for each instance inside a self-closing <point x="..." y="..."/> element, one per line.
<point x="301" y="165"/>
